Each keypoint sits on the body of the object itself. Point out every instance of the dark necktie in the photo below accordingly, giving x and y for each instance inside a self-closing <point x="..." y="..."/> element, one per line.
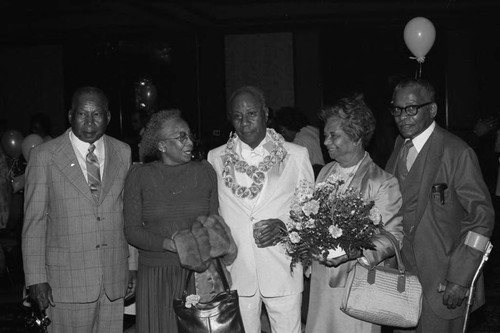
<point x="93" y="173"/>
<point x="402" y="170"/>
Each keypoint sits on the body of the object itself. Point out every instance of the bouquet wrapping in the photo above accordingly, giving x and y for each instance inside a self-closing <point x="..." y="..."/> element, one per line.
<point x="328" y="220"/>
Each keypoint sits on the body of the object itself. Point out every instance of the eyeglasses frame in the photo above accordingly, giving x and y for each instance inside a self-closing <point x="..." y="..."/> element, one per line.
<point x="182" y="138"/>
<point x="394" y="109"/>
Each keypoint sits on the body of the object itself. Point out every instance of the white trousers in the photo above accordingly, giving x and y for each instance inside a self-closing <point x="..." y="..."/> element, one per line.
<point x="283" y="311"/>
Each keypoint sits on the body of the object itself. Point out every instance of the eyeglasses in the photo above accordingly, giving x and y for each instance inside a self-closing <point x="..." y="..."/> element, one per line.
<point x="183" y="137"/>
<point x="410" y="110"/>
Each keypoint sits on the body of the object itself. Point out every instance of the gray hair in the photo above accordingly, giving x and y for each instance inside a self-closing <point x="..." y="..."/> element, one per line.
<point x="357" y="120"/>
<point x="89" y="91"/>
<point x="254" y="91"/>
<point x="425" y="85"/>
<point x="151" y="136"/>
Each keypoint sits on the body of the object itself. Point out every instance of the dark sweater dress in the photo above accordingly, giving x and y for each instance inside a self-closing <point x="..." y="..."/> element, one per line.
<point x="158" y="201"/>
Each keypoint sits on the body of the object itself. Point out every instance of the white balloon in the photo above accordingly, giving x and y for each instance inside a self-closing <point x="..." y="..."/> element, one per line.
<point x="419" y="36"/>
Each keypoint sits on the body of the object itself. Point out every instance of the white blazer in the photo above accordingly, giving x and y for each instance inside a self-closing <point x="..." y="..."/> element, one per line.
<point x="267" y="269"/>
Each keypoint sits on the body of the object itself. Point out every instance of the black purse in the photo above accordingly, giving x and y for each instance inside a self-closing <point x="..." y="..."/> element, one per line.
<point x="220" y="315"/>
<point x="35" y="320"/>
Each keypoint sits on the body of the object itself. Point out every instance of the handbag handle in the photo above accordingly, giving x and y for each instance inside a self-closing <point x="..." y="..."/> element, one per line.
<point x="395" y="245"/>
<point x="401" y="267"/>
<point x="220" y="271"/>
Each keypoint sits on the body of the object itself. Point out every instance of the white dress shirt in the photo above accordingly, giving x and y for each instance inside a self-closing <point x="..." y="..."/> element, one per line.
<point x="418" y="143"/>
<point x="81" y="149"/>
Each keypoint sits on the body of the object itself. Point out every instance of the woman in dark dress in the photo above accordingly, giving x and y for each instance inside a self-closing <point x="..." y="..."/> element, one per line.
<point x="162" y="198"/>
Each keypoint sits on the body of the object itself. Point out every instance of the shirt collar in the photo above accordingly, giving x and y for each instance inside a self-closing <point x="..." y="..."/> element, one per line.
<point x="83" y="147"/>
<point x="245" y="149"/>
<point x="420" y="140"/>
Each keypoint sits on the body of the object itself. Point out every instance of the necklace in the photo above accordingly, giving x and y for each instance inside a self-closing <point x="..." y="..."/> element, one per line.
<point x="257" y="173"/>
<point x="347" y="174"/>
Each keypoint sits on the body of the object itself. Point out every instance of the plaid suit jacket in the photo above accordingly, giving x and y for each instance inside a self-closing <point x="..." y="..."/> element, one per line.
<point x="69" y="240"/>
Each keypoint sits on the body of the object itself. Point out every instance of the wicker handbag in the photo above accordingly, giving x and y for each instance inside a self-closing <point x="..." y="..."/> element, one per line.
<point x="220" y="315"/>
<point x="383" y="295"/>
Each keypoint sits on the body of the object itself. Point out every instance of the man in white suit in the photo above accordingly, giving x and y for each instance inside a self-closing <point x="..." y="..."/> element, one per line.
<point x="257" y="174"/>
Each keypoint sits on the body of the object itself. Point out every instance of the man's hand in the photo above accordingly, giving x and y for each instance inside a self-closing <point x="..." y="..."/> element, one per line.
<point x="268" y="232"/>
<point x="454" y="295"/>
<point x="132" y="281"/>
<point x="484" y="126"/>
<point x="41" y="293"/>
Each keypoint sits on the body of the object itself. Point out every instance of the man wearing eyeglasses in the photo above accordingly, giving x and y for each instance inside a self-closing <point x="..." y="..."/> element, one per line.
<point x="447" y="212"/>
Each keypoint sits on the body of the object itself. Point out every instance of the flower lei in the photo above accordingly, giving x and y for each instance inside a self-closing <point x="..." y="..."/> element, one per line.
<point x="232" y="161"/>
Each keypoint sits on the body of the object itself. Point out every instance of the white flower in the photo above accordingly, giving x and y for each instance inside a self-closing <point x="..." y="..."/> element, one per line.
<point x="375" y="215"/>
<point x="296" y="207"/>
<point x="335" y="231"/>
<point x="192" y="300"/>
<point x="311" y="207"/>
<point x="310" y="223"/>
<point x="305" y="188"/>
<point x="294" y="237"/>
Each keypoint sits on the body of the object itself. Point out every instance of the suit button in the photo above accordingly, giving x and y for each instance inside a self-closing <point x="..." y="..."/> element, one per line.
<point x="98" y="219"/>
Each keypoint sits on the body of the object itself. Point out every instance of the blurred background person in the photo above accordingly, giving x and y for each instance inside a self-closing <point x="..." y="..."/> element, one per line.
<point x="294" y="127"/>
<point x="40" y="124"/>
<point x="138" y="123"/>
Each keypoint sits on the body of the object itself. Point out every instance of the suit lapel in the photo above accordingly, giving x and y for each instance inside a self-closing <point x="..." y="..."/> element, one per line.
<point x="67" y="162"/>
<point x="272" y="183"/>
<point x="243" y="202"/>
<point x="356" y="181"/>
<point x="428" y="170"/>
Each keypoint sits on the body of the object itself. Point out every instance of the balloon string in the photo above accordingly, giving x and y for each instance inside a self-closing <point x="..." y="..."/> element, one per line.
<point x="13" y="166"/>
<point x="418" y="71"/>
<point x="418" y="59"/>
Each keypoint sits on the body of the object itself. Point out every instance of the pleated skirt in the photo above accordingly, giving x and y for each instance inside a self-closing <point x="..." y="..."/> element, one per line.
<point x="157" y="287"/>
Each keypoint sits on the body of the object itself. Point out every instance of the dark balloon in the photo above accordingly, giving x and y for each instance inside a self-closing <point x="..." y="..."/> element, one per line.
<point x="12" y="141"/>
<point x="145" y="95"/>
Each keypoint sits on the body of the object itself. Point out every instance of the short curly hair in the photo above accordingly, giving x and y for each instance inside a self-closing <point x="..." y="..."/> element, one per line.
<point x="88" y="91"/>
<point x="358" y="121"/>
<point x="423" y="84"/>
<point x="151" y="136"/>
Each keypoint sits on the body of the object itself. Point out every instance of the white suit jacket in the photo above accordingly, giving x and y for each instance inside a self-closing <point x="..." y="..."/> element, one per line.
<point x="266" y="268"/>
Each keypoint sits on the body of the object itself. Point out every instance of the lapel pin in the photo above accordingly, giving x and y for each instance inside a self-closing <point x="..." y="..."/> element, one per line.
<point x="72" y="164"/>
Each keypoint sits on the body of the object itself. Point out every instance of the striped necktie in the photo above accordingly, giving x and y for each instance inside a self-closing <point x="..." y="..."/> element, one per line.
<point x="402" y="170"/>
<point x="93" y="173"/>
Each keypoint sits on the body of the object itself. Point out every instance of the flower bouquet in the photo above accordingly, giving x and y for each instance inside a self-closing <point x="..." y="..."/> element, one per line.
<point x="327" y="221"/>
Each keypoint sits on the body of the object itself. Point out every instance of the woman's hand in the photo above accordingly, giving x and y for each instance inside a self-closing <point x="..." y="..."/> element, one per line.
<point x="335" y="262"/>
<point x="169" y="245"/>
